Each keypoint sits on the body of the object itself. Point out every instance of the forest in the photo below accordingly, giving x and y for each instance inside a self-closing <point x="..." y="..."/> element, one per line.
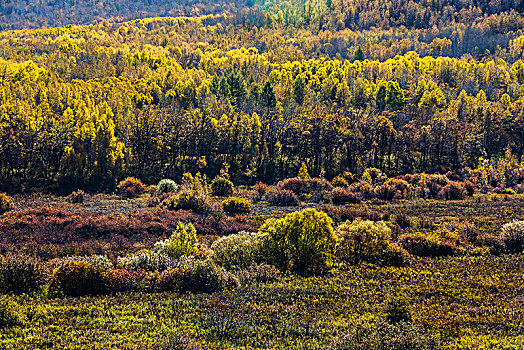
<point x="256" y="174"/>
<point x="261" y="90"/>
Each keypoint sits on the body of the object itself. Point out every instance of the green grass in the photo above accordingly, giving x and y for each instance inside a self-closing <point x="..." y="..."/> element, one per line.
<point x="470" y="302"/>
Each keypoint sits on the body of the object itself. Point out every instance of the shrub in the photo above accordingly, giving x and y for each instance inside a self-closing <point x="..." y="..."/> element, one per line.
<point x="221" y="186"/>
<point x="470" y="188"/>
<point x="186" y="200"/>
<point x="402" y="220"/>
<point x="394" y="255"/>
<point x="294" y="184"/>
<point x="282" y="198"/>
<point x="131" y="187"/>
<point x="145" y="260"/>
<point x="21" y="273"/>
<point x="234" y="205"/>
<point x="238" y="251"/>
<point x="120" y="280"/>
<point x="397" y="310"/>
<point x="77" y="197"/>
<point x="166" y="186"/>
<point x="183" y="241"/>
<point x="99" y="260"/>
<point x="261" y="190"/>
<point x="10" y="313"/>
<point x="197" y="277"/>
<point x="303" y="240"/>
<point x="76" y="278"/>
<point x="259" y="273"/>
<point x="339" y="181"/>
<point x="362" y="241"/>
<point x="453" y="190"/>
<point x="420" y="245"/>
<point x="512" y="234"/>
<point x="382" y="335"/>
<point x="344" y="196"/>
<point x="394" y="189"/>
<point x="6" y="203"/>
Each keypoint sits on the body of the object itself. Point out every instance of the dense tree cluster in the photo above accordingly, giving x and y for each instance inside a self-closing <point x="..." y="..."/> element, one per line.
<point x="86" y="106"/>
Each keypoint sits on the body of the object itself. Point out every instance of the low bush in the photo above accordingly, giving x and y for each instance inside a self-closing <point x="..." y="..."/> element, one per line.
<point x="146" y="260"/>
<point x="221" y="186"/>
<point x="420" y="245"/>
<point x="361" y="241"/>
<point x="344" y="214"/>
<point x="260" y="189"/>
<point x="183" y="241"/>
<point x="397" y="310"/>
<point x="339" y="181"/>
<point x="381" y="335"/>
<point x="77" y="278"/>
<point x="512" y="234"/>
<point x="452" y="191"/>
<point x="6" y="203"/>
<point x="99" y="260"/>
<point x="77" y="197"/>
<point x="166" y="186"/>
<point x="197" y="277"/>
<point x="131" y="187"/>
<point x="234" y="205"/>
<point x="186" y="200"/>
<point x="120" y="280"/>
<point x="10" y="313"/>
<point x="20" y="273"/>
<point x="394" y="189"/>
<point x="294" y="184"/>
<point x="282" y="198"/>
<point x="303" y="240"/>
<point x="340" y="196"/>
<point x="259" y="273"/>
<point x="238" y="251"/>
<point x="402" y="220"/>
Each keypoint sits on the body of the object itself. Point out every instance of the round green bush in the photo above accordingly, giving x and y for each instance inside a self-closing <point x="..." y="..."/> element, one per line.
<point x="221" y="186"/>
<point x="303" y="240"/>
<point x="234" y="205"/>
<point x="76" y="278"/>
<point x="512" y="234"/>
<point x="183" y="241"/>
<point x="362" y="240"/>
<point x="186" y="201"/>
<point x="238" y="251"/>
<point x="166" y="186"/>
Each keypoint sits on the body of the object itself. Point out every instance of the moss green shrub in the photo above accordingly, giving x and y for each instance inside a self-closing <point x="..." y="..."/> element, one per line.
<point x="234" y="205"/>
<point x="238" y="251"/>
<point x="166" y="186"/>
<point x="186" y="200"/>
<point x="221" y="186"/>
<point x="303" y="240"/>
<point x="76" y="278"/>
<point x="362" y="240"/>
<point x="183" y="241"/>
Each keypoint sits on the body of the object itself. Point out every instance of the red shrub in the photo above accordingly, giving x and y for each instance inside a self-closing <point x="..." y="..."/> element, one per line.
<point x="131" y="187"/>
<point x="283" y="198"/>
<point x="344" y="196"/>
